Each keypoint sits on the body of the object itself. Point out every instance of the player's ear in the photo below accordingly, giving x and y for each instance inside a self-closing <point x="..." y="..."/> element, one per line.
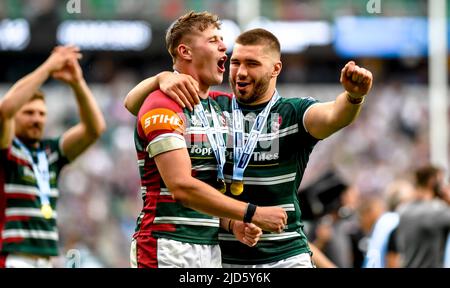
<point x="277" y="69"/>
<point x="184" y="51"/>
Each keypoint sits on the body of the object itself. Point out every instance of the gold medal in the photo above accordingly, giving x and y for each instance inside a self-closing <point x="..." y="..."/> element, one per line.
<point x="221" y="186"/>
<point x="47" y="211"/>
<point x="237" y="188"/>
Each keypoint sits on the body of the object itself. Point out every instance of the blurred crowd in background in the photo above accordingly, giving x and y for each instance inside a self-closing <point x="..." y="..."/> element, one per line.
<point x="100" y="198"/>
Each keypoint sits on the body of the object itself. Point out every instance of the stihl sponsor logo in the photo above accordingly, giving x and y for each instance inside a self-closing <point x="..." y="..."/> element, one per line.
<point x="161" y="119"/>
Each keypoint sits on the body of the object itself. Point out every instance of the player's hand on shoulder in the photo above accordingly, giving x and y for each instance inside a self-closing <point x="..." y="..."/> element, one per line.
<point x="181" y="88"/>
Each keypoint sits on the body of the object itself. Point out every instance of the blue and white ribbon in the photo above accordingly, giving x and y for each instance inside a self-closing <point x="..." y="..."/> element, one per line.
<point x="243" y="152"/>
<point x="41" y="171"/>
<point x="215" y="137"/>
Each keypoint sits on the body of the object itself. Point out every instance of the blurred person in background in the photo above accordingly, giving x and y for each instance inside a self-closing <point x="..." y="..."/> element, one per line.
<point x="180" y="153"/>
<point x="424" y="222"/>
<point x="369" y="209"/>
<point x="379" y="252"/>
<point x="32" y="164"/>
<point x="331" y="233"/>
<point x="254" y="67"/>
<point x="319" y="259"/>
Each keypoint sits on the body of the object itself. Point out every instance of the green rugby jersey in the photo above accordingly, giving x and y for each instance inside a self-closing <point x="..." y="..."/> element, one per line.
<point x="25" y="230"/>
<point x="162" y="216"/>
<point x="272" y="178"/>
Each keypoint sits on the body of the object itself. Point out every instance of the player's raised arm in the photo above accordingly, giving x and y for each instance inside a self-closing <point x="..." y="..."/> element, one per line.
<point x="24" y="89"/>
<point x="324" y="119"/>
<point x="181" y="88"/>
<point x="92" y="124"/>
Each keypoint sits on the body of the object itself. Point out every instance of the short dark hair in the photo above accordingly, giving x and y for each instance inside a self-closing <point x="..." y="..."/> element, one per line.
<point x="187" y="24"/>
<point x="38" y="95"/>
<point x="260" y="36"/>
<point x="425" y="174"/>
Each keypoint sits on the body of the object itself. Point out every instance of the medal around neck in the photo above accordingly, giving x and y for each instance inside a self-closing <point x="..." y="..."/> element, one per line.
<point x="237" y="188"/>
<point x="222" y="187"/>
<point x="216" y="141"/>
<point x="47" y="211"/>
<point x="243" y="151"/>
<point x="41" y="172"/>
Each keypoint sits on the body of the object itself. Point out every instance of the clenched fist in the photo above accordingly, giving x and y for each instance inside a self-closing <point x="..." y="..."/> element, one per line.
<point x="356" y="81"/>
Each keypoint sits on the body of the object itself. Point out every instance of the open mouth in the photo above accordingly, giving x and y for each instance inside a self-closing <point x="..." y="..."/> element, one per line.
<point x="221" y="63"/>
<point x="242" y="84"/>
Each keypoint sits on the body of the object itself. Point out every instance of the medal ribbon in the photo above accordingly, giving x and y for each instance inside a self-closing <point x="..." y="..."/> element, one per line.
<point x="41" y="172"/>
<point x="215" y="137"/>
<point x="242" y="152"/>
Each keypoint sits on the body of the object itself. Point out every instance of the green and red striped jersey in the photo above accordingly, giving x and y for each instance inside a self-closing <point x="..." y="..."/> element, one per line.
<point x="163" y="126"/>
<point x="25" y="230"/>
<point x="272" y="178"/>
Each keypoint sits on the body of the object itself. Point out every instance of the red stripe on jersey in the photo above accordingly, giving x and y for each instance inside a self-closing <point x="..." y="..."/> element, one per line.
<point x="151" y="177"/>
<point x="141" y="155"/>
<point x="166" y="199"/>
<point x="215" y="94"/>
<point x="149" y="182"/>
<point x="147" y="246"/>
<point x="13" y="240"/>
<point x="150" y="169"/>
<point x="146" y="252"/>
<point x="164" y="227"/>
<point x="3" y="260"/>
<point x="152" y="198"/>
<point x="21" y="196"/>
<point x="17" y="218"/>
<point x="149" y="214"/>
<point x="17" y="160"/>
<point x="160" y="198"/>
<point x="150" y="202"/>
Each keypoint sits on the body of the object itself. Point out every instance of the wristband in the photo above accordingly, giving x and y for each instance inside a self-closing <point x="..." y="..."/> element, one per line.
<point x="251" y="208"/>
<point x="355" y="101"/>
<point x="230" y="229"/>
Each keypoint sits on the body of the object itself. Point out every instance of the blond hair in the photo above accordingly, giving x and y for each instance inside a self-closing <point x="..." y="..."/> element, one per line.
<point x="188" y="24"/>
